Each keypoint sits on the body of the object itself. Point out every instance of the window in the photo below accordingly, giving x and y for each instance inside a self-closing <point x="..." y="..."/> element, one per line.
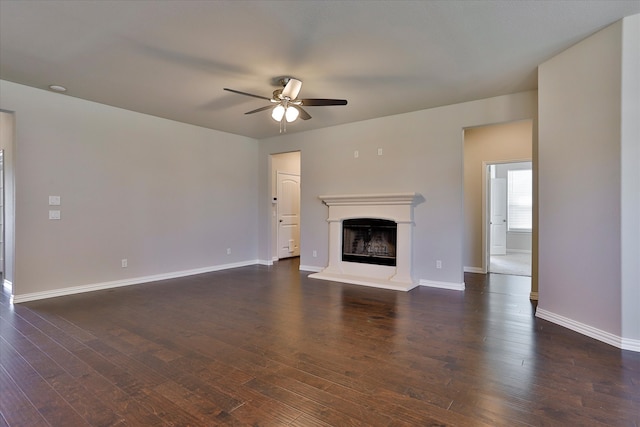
<point x="520" y="200"/>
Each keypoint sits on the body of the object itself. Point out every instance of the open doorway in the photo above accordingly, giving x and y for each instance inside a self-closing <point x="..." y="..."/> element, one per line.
<point x="509" y="201"/>
<point x="285" y="205"/>
<point x="7" y="197"/>
<point x="483" y="146"/>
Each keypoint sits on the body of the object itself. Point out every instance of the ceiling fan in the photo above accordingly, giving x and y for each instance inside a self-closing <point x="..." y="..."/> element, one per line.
<point x="285" y="105"/>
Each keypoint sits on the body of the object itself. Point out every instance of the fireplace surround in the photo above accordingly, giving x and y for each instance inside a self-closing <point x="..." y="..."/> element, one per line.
<point x="385" y="209"/>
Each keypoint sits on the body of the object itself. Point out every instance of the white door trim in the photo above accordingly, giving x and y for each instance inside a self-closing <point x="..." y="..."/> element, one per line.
<point x="294" y="243"/>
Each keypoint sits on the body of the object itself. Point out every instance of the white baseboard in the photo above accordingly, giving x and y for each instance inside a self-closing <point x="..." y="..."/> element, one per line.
<point x="533" y="296"/>
<point x="311" y="268"/>
<point x="478" y="270"/>
<point x="125" y="282"/>
<point x="7" y="285"/>
<point x="265" y="262"/>
<point x="443" y="285"/>
<point x="630" y="344"/>
<point x="590" y="331"/>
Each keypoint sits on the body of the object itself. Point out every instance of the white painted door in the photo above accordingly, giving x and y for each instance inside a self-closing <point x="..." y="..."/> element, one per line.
<point x="498" y="217"/>
<point x="288" y="215"/>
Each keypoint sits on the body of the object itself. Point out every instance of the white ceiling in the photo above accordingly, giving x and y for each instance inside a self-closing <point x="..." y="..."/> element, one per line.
<point x="172" y="59"/>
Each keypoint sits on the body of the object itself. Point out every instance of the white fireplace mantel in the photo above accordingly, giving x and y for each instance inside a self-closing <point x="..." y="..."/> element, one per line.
<point x="369" y="199"/>
<point x="397" y="207"/>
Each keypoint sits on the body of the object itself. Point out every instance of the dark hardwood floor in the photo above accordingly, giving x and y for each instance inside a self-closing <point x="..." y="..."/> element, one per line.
<point x="266" y="346"/>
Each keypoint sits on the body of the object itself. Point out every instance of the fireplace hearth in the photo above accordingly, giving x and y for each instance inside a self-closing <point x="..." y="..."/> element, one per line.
<point x="369" y="241"/>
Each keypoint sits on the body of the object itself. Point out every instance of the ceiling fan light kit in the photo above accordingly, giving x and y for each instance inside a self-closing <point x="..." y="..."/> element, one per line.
<point x="278" y="112"/>
<point x="291" y="114"/>
<point x="287" y="105"/>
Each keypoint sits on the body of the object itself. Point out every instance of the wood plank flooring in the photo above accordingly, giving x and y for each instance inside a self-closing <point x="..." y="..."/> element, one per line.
<point x="266" y="346"/>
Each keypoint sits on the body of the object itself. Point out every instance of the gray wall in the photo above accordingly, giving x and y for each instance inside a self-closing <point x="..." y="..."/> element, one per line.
<point x="580" y="181"/>
<point x="422" y="152"/>
<point x="167" y="196"/>
<point x="630" y="177"/>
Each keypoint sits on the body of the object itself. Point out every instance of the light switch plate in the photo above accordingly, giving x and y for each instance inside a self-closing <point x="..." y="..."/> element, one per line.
<point x="54" y="200"/>
<point x="54" y="214"/>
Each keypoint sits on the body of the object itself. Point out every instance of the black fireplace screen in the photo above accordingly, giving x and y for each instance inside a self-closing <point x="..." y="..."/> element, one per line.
<point x="369" y="241"/>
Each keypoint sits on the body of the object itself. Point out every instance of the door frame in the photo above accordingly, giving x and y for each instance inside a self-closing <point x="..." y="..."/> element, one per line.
<point x="486" y="206"/>
<point x="273" y="167"/>
<point x="8" y="145"/>
<point x="278" y="213"/>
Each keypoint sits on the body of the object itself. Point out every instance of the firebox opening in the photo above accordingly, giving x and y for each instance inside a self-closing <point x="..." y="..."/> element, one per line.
<point x="369" y="241"/>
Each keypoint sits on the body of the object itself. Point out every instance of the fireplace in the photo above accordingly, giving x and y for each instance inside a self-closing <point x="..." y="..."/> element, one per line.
<point x="363" y="249"/>
<point x="369" y="241"/>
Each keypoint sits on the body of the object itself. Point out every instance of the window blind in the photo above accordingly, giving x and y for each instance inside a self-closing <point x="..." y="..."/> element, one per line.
<point x="520" y="200"/>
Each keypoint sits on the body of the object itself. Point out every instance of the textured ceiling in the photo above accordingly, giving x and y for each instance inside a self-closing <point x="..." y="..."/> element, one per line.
<point x="172" y="59"/>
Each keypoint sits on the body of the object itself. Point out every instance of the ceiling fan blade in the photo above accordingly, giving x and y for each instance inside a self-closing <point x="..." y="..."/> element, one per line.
<point x="315" y="102"/>
<point x="247" y="94"/>
<point x="303" y="114"/>
<point x="292" y="89"/>
<point x="257" y="110"/>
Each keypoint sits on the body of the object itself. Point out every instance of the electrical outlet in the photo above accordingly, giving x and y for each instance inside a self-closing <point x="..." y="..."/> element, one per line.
<point x="54" y="214"/>
<point x="228" y="251"/>
<point x="379" y="151"/>
<point x="315" y="254"/>
<point x="438" y="264"/>
<point x="125" y="263"/>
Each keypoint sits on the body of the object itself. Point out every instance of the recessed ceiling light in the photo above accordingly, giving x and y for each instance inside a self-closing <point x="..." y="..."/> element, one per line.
<point x="58" y="88"/>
